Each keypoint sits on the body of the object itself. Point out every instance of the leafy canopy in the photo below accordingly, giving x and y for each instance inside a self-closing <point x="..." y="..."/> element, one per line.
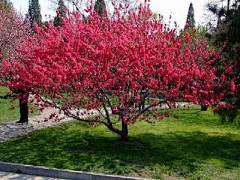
<point x="113" y="65"/>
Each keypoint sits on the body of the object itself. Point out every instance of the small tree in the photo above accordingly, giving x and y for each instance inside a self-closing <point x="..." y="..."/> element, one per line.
<point x="105" y="64"/>
<point x="61" y="13"/>
<point x="190" y="22"/>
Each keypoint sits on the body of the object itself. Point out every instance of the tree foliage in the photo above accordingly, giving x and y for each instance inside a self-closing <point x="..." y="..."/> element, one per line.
<point x="6" y="5"/>
<point x="12" y="30"/>
<point x="107" y="63"/>
<point x="227" y="32"/>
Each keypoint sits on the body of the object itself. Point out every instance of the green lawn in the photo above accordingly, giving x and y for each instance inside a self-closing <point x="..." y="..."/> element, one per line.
<point x="194" y="146"/>
<point x="8" y="114"/>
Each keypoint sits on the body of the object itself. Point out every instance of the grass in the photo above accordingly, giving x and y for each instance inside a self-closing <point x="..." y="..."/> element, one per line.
<point x="9" y="110"/>
<point x="194" y="146"/>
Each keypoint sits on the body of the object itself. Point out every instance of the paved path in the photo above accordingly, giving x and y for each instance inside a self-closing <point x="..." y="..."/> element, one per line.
<point x="12" y="130"/>
<point x="14" y="176"/>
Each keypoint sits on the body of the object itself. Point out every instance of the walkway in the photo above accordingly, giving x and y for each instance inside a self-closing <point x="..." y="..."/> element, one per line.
<point x="14" y="176"/>
<point x="12" y="130"/>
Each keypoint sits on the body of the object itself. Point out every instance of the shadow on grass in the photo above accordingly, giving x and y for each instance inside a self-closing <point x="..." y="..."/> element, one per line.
<point x="146" y="155"/>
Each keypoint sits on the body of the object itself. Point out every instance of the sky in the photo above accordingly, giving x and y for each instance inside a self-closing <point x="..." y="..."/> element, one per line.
<point x="176" y="8"/>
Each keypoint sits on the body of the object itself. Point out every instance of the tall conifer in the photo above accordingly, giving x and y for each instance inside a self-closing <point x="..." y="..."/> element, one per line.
<point x="34" y="12"/>
<point x="190" y="22"/>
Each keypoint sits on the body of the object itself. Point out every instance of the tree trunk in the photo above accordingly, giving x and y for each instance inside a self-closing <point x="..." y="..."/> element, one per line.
<point x="204" y="108"/>
<point x="141" y="105"/>
<point x="124" y="132"/>
<point x="228" y="6"/>
<point x="23" y="111"/>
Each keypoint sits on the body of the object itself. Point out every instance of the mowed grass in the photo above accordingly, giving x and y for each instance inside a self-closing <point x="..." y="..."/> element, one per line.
<point x="194" y="146"/>
<point x="9" y="110"/>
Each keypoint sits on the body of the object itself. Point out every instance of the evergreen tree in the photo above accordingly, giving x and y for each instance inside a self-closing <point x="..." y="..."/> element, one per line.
<point x="190" y="22"/>
<point x="100" y="7"/>
<point x="61" y="13"/>
<point x="227" y="31"/>
<point x="34" y="11"/>
<point x="230" y="34"/>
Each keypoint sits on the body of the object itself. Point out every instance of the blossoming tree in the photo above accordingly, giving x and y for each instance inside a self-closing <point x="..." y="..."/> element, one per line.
<point x="13" y="29"/>
<point x="113" y="65"/>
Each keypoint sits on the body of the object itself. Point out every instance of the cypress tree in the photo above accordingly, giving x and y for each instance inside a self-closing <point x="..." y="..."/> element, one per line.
<point x="61" y="13"/>
<point x="34" y="12"/>
<point x="190" y="22"/>
<point x="100" y="7"/>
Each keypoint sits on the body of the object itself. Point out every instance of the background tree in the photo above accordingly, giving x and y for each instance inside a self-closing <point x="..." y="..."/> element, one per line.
<point x="7" y="15"/>
<point x="6" y="5"/>
<point x="104" y="64"/>
<point x="34" y="12"/>
<point x="100" y="7"/>
<point x="13" y="29"/>
<point x="190" y="22"/>
<point x="227" y="31"/>
<point x="61" y="13"/>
